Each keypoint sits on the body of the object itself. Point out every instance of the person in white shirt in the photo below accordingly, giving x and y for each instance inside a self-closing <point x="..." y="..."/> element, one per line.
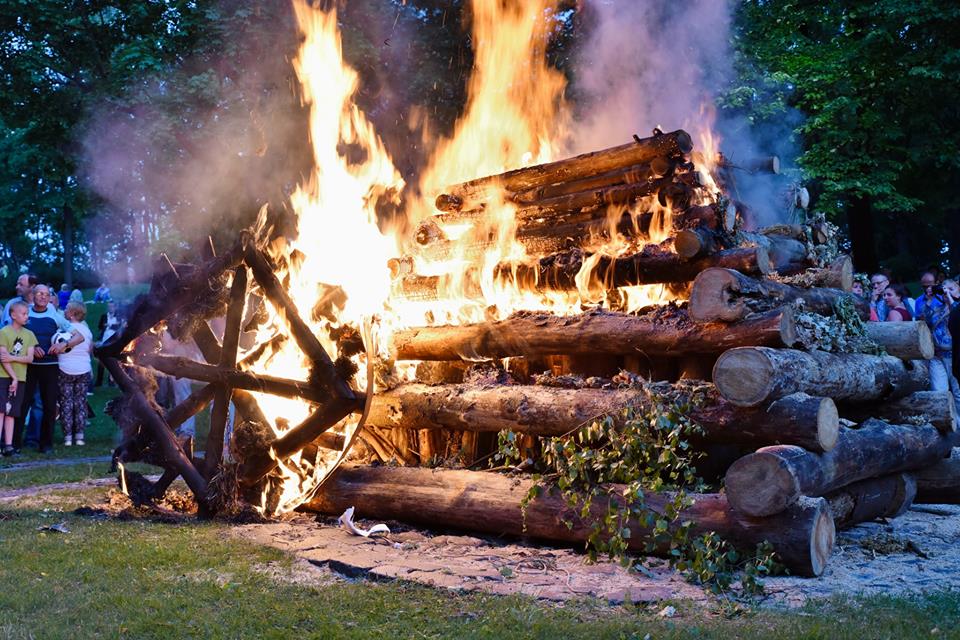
<point x="75" y="375"/>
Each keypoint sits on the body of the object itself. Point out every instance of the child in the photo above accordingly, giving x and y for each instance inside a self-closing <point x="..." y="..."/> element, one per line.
<point x="16" y="352"/>
<point x="75" y="375"/>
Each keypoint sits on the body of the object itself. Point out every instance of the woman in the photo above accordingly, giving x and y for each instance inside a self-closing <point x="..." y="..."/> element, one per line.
<point x="75" y="378"/>
<point x="895" y="297"/>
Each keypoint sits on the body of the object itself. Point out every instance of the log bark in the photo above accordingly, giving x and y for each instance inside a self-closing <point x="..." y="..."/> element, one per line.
<point x="634" y="174"/>
<point x="228" y="360"/>
<point x="160" y="430"/>
<point x="749" y="376"/>
<point x="803" y="536"/>
<point x="940" y="482"/>
<point x="549" y="411"/>
<point x="770" y="480"/>
<point x="912" y="341"/>
<point x="839" y="275"/>
<point x="592" y="333"/>
<point x="727" y="295"/>
<point x="798" y="419"/>
<point x="932" y="407"/>
<point x="191" y="406"/>
<point x="667" y="145"/>
<point x="885" y="497"/>
<point x="709" y="216"/>
<point x="187" y="368"/>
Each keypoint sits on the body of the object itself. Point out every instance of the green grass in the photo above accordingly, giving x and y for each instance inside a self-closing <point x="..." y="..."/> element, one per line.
<point x="56" y="474"/>
<point x="137" y="579"/>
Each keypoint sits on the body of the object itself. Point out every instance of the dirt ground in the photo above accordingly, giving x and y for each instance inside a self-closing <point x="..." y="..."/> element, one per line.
<point x="915" y="553"/>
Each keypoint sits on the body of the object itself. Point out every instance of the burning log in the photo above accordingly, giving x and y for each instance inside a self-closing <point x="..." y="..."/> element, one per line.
<point x="770" y="480"/>
<point x="803" y="536"/>
<point x="559" y="272"/>
<point x="884" y="497"/>
<point x="726" y="295"/>
<point x="641" y="151"/>
<point x="592" y="333"/>
<point x="549" y="411"/>
<point x="940" y="483"/>
<point x="636" y="174"/>
<point x="161" y="432"/>
<point x="932" y="407"/>
<point x="749" y="376"/>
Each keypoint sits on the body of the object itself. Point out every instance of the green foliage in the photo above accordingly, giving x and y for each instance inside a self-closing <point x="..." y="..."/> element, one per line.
<point x="645" y="448"/>
<point x="875" y="87"/>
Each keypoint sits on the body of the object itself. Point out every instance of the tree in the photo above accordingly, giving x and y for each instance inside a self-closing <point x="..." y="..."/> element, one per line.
<point x="876" y="82"/>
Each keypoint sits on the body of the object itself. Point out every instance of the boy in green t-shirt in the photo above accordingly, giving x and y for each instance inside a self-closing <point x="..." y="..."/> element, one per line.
<point x="16" y="352"/>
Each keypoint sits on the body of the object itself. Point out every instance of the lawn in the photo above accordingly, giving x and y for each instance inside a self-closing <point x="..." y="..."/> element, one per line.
<point x="141" y="579"/>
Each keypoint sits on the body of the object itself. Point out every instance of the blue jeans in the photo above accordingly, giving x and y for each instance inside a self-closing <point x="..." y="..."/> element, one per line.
<point x="941" y="375"/>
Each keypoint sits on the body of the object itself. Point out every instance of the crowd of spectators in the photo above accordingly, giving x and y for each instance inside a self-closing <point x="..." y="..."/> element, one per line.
<point x="937" y="305"/>
<point x="46" y="364"/>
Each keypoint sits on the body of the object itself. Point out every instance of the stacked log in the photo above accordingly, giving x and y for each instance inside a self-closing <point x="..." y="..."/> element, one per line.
<point x="474" y="501"/>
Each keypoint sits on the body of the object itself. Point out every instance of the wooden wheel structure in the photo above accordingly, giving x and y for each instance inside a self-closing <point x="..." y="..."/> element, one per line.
<point x="173" y="290"/>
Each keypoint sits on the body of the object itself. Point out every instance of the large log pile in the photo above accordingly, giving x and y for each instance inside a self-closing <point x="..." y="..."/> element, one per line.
<point x="770" y="394"/>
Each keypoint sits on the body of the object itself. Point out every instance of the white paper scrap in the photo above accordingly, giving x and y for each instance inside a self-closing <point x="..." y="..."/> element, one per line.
<point x="346" y="520"/>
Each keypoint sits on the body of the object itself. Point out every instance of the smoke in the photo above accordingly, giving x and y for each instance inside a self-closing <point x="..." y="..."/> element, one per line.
<point x="661" y="63"/>
<point x="198" y="148"/>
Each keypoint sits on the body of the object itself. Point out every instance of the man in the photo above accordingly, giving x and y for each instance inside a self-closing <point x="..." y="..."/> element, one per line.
<point x="43" y="375"/>
<point x="25" y="285"/>
<point x="64" y="296"/>
<point x="878" y="307"/>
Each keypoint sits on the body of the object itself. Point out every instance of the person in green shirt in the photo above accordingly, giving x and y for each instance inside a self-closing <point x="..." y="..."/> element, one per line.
<point x="16" y="352"/>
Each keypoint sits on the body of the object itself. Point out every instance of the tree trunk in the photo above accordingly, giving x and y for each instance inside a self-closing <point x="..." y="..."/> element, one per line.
<point x="803" y="537"/>
<point x="749" y="376"/>
<point x="884" y="497"/>
<point x="68" y="223"/>
<point x="932" y="407"/>
<point x="668" y="145"/>
<point x="727" y="295"/>
<point x="592" y="333"/>
<point x="770" y="480"/>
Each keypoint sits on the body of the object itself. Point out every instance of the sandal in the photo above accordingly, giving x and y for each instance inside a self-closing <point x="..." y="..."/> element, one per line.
<point x="8" y="450"/>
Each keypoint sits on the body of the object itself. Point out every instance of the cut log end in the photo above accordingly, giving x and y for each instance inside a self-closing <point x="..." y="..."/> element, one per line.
<point x="822" y="539"/>
<point x="713" y="296"/>
<point x="761" y="484"/>
<point x="828" y="424"/>
<point x="844" y="270"/>
<point x="744" y="376"/>
<point x="788" y="327"/>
